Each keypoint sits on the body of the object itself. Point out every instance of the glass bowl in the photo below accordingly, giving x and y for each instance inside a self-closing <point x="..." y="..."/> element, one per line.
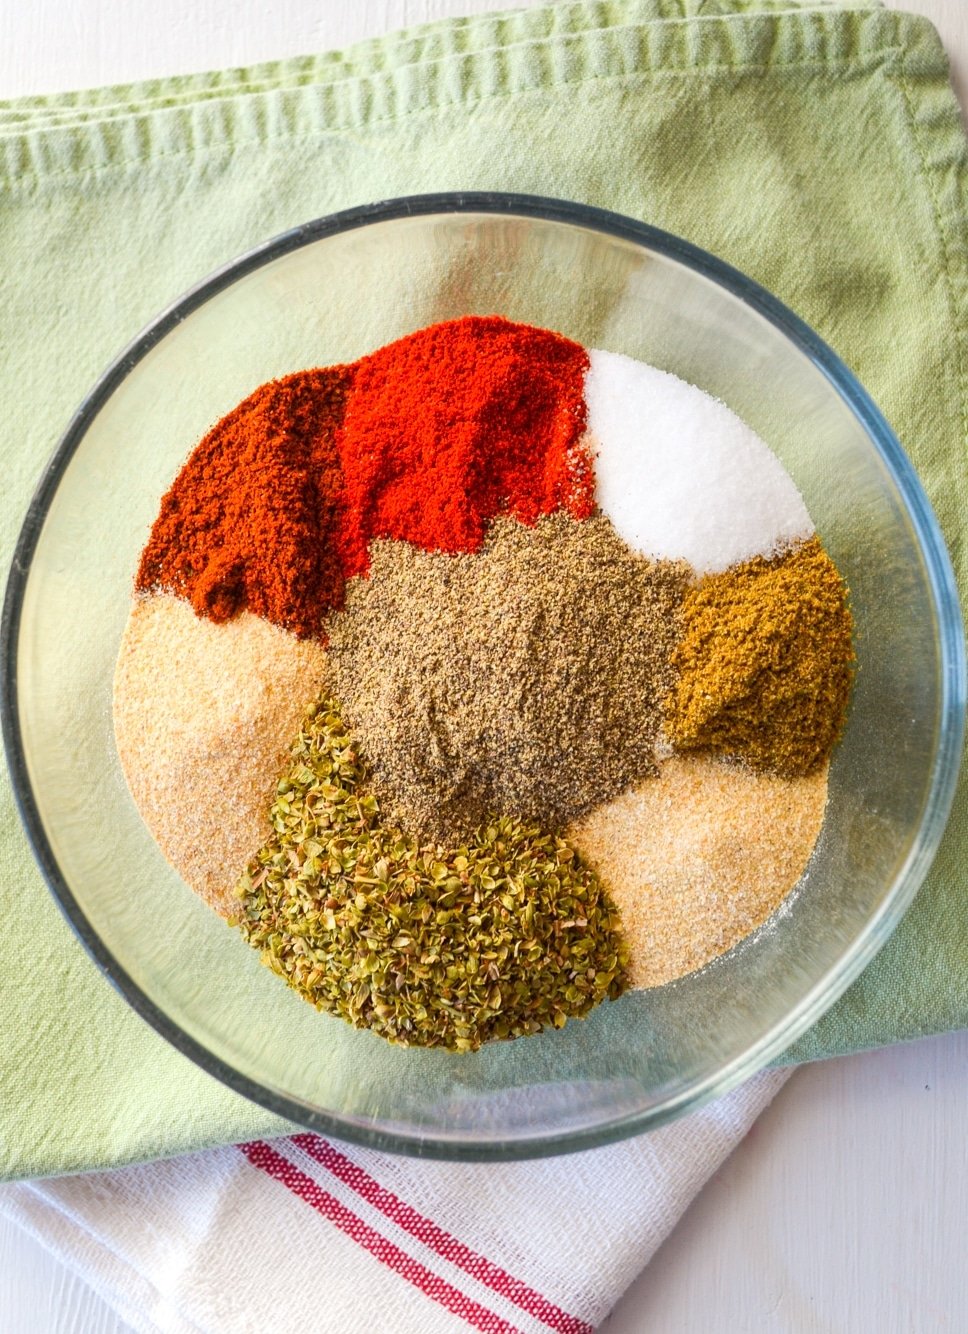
<point x="328" y="292"/>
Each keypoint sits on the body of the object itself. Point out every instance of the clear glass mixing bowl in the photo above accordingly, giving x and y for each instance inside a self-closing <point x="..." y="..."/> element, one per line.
<point x="328" y="292"/>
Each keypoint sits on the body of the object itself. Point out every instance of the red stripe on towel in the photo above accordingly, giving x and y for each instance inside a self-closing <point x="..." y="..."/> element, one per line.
<point x="447" y="1246"/>
<point x="266" y="1159"/>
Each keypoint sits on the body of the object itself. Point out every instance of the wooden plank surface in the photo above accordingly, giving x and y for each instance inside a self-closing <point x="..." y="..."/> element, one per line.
<point x="843" y="1212"/>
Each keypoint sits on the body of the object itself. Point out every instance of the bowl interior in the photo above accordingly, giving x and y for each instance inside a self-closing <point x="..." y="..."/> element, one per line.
<point x="633" y="1062"/>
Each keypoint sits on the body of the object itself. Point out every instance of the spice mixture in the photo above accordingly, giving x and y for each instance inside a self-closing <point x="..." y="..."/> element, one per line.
<point x="425" y="441"/>
<point x="525" y="680"/>
<point x="564" y="661"/>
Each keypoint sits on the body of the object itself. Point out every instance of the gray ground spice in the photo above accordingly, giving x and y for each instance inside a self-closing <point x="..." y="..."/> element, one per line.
<point x="526" y="679"/>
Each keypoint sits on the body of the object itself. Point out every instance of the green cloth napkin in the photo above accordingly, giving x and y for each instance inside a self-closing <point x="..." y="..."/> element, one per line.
<point x="818" y="149"/>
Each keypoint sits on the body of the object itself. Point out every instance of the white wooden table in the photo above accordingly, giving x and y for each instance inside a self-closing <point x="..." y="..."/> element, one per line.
<point x="846" y="1209"/>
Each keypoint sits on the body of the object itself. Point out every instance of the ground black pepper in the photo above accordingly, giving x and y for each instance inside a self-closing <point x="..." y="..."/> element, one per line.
<point x="525" y="680"/>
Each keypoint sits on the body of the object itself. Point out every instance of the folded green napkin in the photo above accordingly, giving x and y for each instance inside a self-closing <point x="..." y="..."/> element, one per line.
<point x="818" y="149"/>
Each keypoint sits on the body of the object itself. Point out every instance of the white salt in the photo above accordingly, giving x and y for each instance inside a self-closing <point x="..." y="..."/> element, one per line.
<point x="680" y="476"/>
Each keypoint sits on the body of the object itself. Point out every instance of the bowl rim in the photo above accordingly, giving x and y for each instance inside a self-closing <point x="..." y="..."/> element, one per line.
<point x="938" y="567"/>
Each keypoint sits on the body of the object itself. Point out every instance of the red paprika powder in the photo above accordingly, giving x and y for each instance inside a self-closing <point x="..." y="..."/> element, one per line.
<point x="457" y="423"/>
<point x="426" y="441"/>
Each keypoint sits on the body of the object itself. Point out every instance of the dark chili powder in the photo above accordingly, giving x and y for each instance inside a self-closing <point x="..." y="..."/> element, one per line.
<point x="251" y="519"/>
<point x="426" y="440"/>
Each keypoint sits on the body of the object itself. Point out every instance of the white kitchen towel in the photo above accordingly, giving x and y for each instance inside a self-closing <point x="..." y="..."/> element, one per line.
<point x="311" y="1235"/>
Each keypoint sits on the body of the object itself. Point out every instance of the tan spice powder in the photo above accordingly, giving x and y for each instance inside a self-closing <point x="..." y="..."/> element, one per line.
<point x="204" y="717"/>
<point x="524" y="680"/>
<point x="699" y="857"/>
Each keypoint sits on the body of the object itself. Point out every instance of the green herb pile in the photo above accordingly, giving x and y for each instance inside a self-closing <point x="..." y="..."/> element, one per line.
<point x="426" y="945"/>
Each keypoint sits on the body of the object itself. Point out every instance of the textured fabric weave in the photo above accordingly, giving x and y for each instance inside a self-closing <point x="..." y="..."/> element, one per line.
<point x="820" y="150"/>
<point x="396" y="1246"/>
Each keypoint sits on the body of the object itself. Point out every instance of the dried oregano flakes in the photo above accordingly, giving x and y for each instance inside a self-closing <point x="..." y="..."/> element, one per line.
<point x="424" y="944"/>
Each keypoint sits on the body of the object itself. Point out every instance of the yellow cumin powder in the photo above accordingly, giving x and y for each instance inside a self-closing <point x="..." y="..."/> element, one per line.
<point x="765" y="662"/>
